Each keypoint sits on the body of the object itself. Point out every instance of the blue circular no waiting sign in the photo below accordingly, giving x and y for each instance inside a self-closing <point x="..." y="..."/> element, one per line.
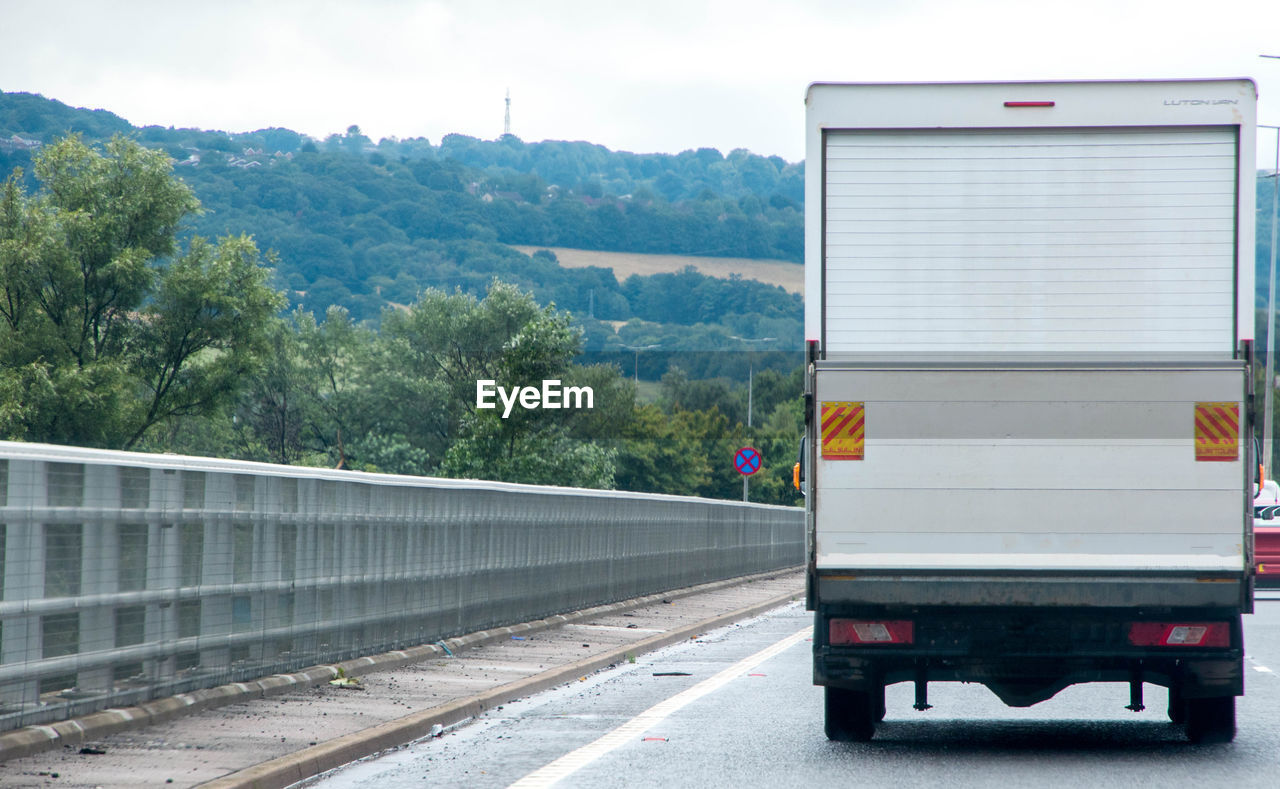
<point x="747" y="461"/>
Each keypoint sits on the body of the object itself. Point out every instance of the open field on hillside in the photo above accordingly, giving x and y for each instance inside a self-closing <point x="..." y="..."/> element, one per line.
<point x="774" y="272"/>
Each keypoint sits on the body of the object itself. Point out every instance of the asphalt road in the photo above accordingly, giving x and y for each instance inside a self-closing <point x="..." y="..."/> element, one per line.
<point x="715" y="721"/>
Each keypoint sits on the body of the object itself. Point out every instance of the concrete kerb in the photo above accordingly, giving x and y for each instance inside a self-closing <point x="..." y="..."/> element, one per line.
<point x="36" y="739"/>
<point x="310" y="762"/>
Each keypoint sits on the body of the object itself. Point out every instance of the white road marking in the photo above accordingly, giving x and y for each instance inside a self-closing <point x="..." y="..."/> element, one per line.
<point x="1264" y="669"/>
<point x="628" y="732"/>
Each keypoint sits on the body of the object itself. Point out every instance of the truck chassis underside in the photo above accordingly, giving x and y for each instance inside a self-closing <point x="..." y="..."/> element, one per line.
<point x="1026" y="657"/>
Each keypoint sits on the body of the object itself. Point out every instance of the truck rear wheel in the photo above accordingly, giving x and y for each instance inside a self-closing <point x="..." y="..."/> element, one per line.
<point x="1177" y="706"/>
<point x="1211" y="720"/>
<point x="850" y="715"/>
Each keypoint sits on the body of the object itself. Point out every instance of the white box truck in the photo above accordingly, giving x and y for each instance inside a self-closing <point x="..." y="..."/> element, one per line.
<point x="1029" y="405"/>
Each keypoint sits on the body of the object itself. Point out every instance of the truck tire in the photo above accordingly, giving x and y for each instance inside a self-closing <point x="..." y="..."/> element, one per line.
<point x="850" y="715"/>
<point x="1211" y="720"/>
<point x="1177" y="706"/>
<point x="878" y="698"/>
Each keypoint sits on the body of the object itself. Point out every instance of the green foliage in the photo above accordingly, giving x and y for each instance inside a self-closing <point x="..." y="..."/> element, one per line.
<point x="122" y="326"/>
<point x="508" y="339"/>
<point x="34" y="116"/>
<point x="536" y="455"/>
<point x="109" y="328"/>
<point x="402" y="399"/>
<point x="201" y="333"/>
<point x="595" y="170"/>
<point x="337" y="359"/>
<point x="667" y="453"/>
<point x="689" y="449"/>
<point x="361" y="226"/>
<point x="331" y="394"/>
<point x="327" y="210"/>
<point x="337" y="222"/>
<point x="457" y="339"/>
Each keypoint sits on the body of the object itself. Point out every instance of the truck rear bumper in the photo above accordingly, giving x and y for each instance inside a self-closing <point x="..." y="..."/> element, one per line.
<point x="1027" y="656"/>
<point x="1024" y="682"/>
<point x="1055" y="591"/>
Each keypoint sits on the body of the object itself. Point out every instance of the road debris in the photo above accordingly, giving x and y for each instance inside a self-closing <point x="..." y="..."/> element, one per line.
<point x="343" y="681"/>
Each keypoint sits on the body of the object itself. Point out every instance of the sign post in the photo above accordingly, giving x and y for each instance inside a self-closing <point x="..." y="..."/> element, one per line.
<point x="747" y="461"/>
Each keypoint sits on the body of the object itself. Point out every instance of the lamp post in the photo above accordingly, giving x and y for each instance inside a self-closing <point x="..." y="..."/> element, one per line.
<point x="750" y="380"/>
<point x="1267" y="441"/>
<point x="750" y="369"/>
<point x="638" y="349"/>
<point x="1269" y="380"/>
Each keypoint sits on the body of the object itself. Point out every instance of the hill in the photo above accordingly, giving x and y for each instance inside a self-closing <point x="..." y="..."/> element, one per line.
<point x="365" y="225"/>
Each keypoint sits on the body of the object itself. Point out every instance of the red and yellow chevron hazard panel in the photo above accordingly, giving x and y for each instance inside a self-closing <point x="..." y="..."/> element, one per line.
<point x="1217" y="431"/>
<point x="843" y="431"/>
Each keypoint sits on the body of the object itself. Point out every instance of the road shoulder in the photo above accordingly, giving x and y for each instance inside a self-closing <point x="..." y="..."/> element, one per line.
<point x="283" y="729"/>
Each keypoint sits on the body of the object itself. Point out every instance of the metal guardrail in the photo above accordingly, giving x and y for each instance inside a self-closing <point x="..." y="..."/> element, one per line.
<point x="125" y="577"/>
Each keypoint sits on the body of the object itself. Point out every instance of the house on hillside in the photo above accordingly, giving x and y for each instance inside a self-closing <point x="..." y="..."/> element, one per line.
<point x="19" y="143"/>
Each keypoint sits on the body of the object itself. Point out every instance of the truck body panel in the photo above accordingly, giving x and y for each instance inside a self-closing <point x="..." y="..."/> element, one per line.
<point x="1026" y="468"/>
<point x="1029" y="394"/>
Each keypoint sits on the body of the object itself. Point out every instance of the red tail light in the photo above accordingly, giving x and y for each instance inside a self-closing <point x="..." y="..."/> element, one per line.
<point x="1180" y="634"/>
<point x="850" y="631"/>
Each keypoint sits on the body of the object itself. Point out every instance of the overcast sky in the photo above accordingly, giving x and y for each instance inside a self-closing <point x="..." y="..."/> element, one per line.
<point x="654" y="75"/>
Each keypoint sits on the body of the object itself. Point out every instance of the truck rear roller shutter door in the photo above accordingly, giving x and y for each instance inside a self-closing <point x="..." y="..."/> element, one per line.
<point x="1044" y="241"/>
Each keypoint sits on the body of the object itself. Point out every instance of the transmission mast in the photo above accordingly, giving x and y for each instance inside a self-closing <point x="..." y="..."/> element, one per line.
<point x="506" y="121"/>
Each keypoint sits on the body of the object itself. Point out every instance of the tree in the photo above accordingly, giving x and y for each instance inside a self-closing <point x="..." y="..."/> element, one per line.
<point x="663" y="453"/>
<point x="543" y="455"/>
<point x="273" y="415"/>
<point x="203" y="332"/>
<point x="366" y="411"/>
<point x="107" y="326"/>
<point x="454" y="340"/>
<point x="457" y="339"/>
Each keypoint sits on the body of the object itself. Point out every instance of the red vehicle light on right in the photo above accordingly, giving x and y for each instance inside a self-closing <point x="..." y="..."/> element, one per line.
<point x="1180" y="634"/>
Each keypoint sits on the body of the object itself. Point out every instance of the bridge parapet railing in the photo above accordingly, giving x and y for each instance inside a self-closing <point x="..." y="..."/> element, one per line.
<point x="127" y="576"/>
